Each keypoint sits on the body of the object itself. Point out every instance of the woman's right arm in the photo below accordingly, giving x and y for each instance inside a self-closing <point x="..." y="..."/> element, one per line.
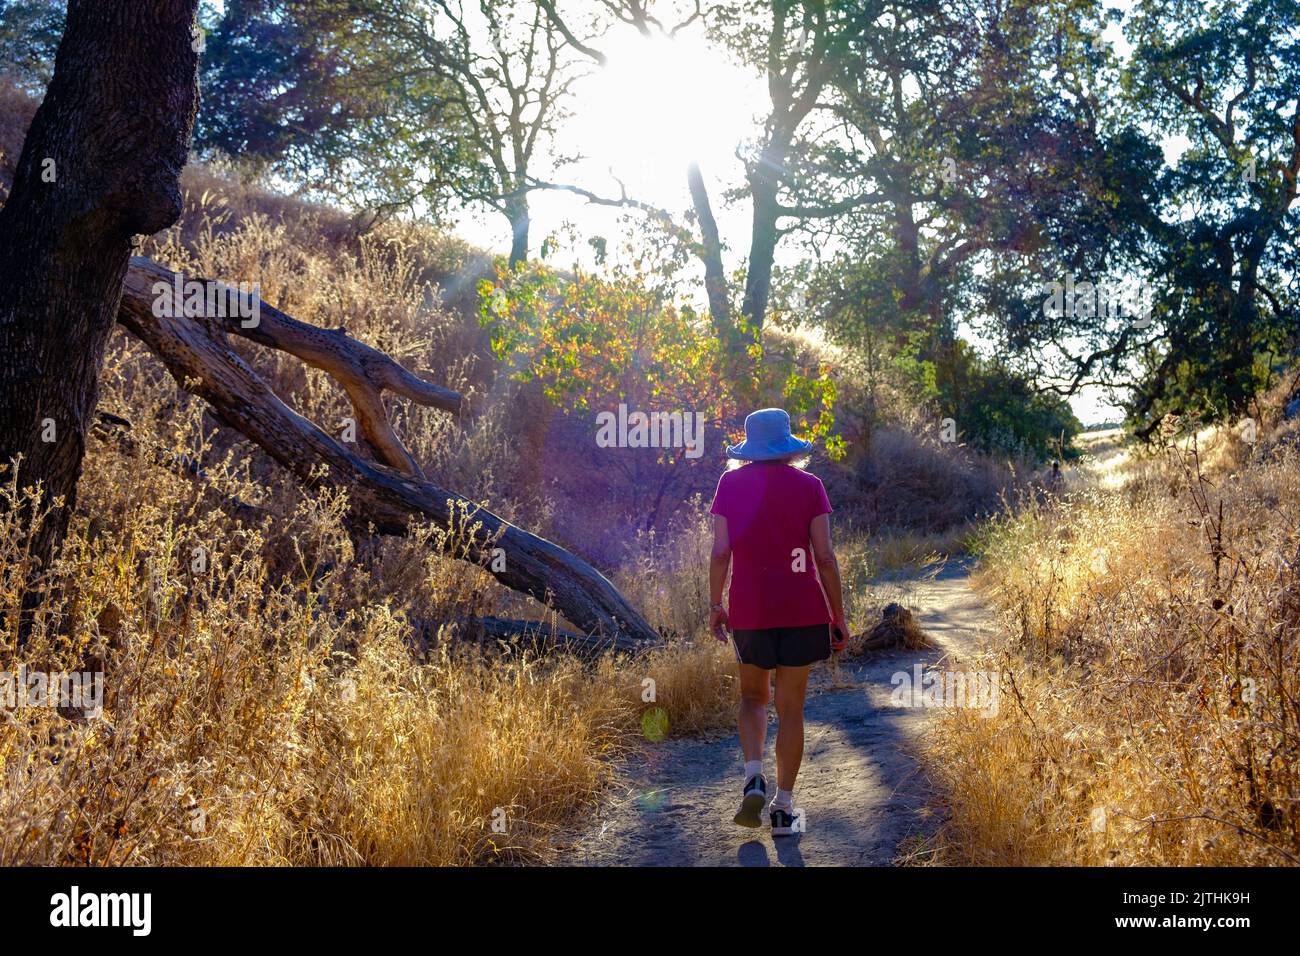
<point x="828" y="571"/>
<point x="719" y="564"/>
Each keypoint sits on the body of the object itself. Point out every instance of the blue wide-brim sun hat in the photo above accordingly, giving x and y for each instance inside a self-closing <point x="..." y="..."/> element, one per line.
<point x="767" y="436"/>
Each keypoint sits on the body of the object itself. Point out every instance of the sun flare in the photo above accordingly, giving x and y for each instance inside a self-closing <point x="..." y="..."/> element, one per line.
<point x="658" y="105"/>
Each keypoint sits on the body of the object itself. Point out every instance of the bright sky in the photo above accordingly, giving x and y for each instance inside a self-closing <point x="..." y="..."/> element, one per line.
<point x="642" y="118"/>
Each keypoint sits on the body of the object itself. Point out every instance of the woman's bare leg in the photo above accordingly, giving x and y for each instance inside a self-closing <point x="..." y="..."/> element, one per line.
<point x="791" y="685"/>
<point x="753" y="710"/>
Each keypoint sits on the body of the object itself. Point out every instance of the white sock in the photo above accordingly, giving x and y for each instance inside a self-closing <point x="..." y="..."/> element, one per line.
<point x="752" y="769"/>
<point x="783" y="799"/>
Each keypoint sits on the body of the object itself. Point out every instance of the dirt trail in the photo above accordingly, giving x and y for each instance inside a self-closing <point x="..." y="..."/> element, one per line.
<point x="861" y="795"/>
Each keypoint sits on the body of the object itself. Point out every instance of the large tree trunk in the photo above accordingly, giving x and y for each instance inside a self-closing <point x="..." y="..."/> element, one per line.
<point x="762" y="244"/>
<point x="518" y="214"/>
<point x="100" y="164"/>
<point x="715" y="276"/>
<point x="385" y="497"/>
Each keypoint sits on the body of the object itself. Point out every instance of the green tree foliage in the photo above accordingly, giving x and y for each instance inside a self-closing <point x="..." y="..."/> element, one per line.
<point x="800" y="46"/>
<point x="502" y="71"/>
<point x="1192" y="194"/>
<point x="1000" y="411"/>
<point x="969" y="161"/>
<point x="988" y="149"/>
<point x="1223" y="226"/>
<point x="938" y="164"/>
<point x="594" y="341"/>
<point x="29" y="36"/>
<point x="274" y="84"/>
<point x="288" y="85"/>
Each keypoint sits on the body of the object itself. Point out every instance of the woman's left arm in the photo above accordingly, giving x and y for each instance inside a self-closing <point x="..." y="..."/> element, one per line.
<point x="828" y="572"/>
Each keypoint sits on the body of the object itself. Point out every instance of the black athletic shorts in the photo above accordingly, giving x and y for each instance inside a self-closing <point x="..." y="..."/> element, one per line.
<point x="771" y="647"/>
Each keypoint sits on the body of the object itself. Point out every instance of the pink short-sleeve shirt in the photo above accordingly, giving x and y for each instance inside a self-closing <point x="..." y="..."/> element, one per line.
<point x="768" y="508"/>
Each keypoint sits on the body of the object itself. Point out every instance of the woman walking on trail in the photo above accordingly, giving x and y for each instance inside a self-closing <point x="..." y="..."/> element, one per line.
<point x="785" y="608"/>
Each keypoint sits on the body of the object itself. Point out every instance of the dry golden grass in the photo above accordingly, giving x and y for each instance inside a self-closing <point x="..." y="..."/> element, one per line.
<point x="259" y="717"/>
<point x="297" y="699"/>
<point x="1148" y="711"/>
<point x="903" y="553"/>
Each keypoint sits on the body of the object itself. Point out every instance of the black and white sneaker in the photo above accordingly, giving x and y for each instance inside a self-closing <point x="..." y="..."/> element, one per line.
<point x="751" y="804"/>
<point x="782" y="820"/>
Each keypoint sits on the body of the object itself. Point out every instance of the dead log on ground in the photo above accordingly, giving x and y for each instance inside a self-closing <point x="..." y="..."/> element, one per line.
<point x="386" y="497"/>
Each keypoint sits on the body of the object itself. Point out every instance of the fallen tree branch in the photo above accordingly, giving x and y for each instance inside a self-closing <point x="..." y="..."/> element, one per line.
<point x="362" y="371"/>
<point x="197" y="353"/>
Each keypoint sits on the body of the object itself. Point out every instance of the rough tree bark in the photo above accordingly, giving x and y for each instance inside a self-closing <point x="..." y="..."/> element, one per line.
<point x="385" y="497"/>
<point x="715" y="276"/>
<point x="763" y="188"/>
<point x="796" y="76"/>
<point x="516" y="211"/>
<point x="100" y="164"/>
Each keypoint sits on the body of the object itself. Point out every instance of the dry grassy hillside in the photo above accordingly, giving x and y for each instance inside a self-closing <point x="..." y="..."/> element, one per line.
<point x="1149" y="712"/>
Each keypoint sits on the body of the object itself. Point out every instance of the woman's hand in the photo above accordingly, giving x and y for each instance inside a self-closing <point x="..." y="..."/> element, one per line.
<point x="839" y="634"/>
<point x="718" y="623"/>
